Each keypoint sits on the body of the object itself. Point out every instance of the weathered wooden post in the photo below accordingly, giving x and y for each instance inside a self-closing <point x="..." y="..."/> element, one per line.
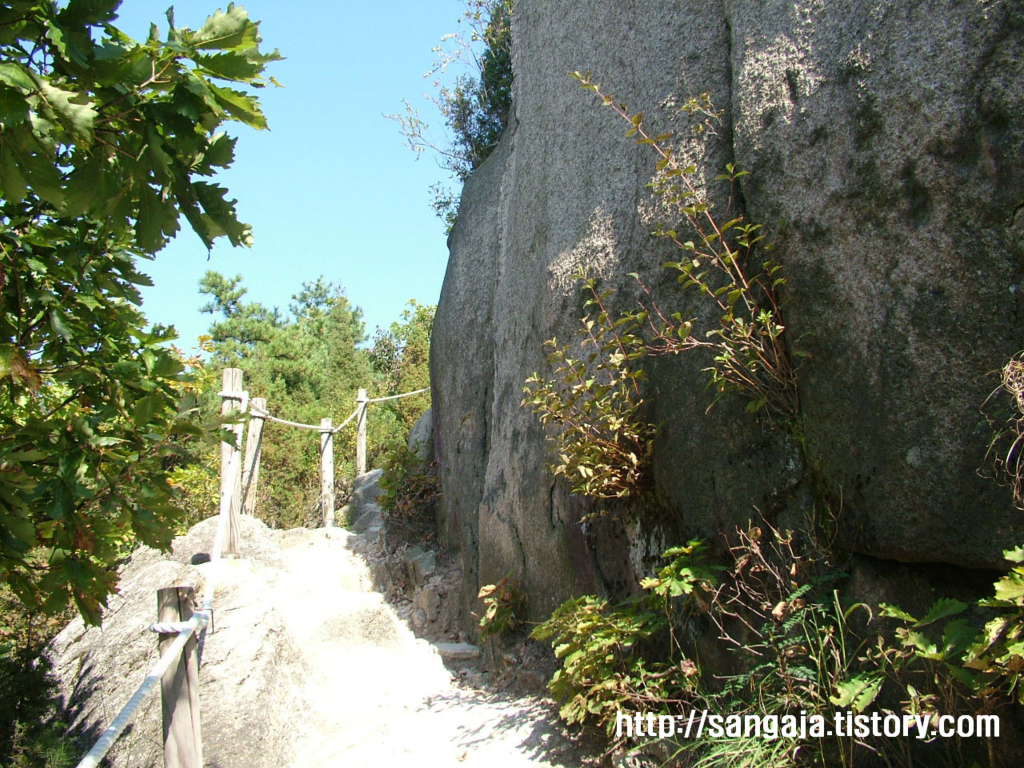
<point x="253" y="449"/>
<point x="231" y="460"/>
<point x="179" y="686"/>
<point x="327" y="472"/>
<point x="361" y="402"/>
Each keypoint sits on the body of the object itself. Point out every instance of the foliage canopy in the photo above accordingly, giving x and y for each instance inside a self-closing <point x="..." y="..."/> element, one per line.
<point x="309" y="363"/>
<point x="105" y="143"/>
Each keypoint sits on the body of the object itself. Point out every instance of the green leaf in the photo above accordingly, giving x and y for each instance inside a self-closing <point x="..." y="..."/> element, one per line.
<point x="942" y="608"/>
<point x="236" y="67"/>
<point x="229" y="30"/>
<point x="84" y="188"/>
<point x="219" y="154"/>
<point x="1010" y="588"/>
<point x="1015" y="555"/>
<point x="240" y="106"/>
<point x="12" y="181"/>
<point x="924" y="645"/>
<point x="957" y="637"/>
<point x="14" y="107"/>
<point x="859" y="692"/>
<point x="73" y="110"/>
<point x="895" y="612"/>
<point x="59" y="326"/>
<point x="14" y="75"/>
<point x="146" y="408"/>
<point x="221" y="213"/>
<point x="42" y="176"/>
<point x="81" y="12"/>
<point x="156" y="220"/>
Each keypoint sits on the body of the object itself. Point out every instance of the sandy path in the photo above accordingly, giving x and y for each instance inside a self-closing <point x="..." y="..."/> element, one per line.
<point x="377" y="695"/>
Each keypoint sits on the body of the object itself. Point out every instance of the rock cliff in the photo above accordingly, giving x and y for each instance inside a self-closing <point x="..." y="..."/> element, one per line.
<point x="884" y="144"/>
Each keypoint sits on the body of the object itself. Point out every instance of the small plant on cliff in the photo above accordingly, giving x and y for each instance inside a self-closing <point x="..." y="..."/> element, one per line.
<point x="604" y="646"/>
<point x="504" y="607"/>
<point x="1006" y="448"/>
<point x="409" y="485"/>
<point x="795" y="656"/>
<point x="723" y="261"/>
<point x="594" y="402"/>
<point x="601" y="436"/>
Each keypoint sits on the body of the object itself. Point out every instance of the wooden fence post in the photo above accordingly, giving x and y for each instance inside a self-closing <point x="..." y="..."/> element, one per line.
<point x="327" y="472"/>
<point x="231" y="460"/>
<point x="253" y="446"/>
<point x="361" y="403"/>
<point x="179" y="686"/>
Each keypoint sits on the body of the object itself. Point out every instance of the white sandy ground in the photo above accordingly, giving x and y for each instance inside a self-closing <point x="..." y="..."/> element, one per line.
<point x="375" y="694"/>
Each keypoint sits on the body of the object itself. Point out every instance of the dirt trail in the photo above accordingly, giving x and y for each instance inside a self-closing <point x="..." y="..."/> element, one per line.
<point x="377" y="695"/>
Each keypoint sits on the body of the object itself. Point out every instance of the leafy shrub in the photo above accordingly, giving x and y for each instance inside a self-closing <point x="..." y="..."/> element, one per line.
<point x="1004" y="409"/>
<point x="197" y="488"/>
<point x="600" y="434"/>
<point x="724" y="261"/>
<point x="794" y="649"/>
<point x="106" y="144"/>
<point x="409" y="485"/>
<point x="31" y="735"/>
<point x="601" y="439"/>
<point x="986" y="661"/>
<point x="602" y="646"/>
<point x="504" y="607"/>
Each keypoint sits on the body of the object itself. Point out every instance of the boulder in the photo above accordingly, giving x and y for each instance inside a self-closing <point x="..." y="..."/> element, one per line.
<point x="366" y="488"/>
<point x="248" y="672"/>
<point x="364" y="512"/>
<point x="420" y="564"/>
<point x="421" y="437"/>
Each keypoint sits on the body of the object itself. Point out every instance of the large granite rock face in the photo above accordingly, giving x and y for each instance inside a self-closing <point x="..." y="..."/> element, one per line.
<point x="884" y="144"/>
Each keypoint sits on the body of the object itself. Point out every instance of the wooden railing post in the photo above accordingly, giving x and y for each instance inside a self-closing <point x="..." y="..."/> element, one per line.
<point x="327" y="472"/>
<point x="361" y="402"/>
<point x="230" y="460"/>
<point x="179" y="686"/>
<point x="253" y="449"/>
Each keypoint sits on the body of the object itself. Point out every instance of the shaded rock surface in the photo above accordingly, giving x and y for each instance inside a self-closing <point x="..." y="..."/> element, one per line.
<point x="421" y="437"/>
<point x="421" y="583"/>
<point x="884" y="145"/>
<point x="306" y="667"/>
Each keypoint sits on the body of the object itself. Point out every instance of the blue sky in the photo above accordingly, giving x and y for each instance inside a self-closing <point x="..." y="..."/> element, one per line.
<point x="330" y="189"/>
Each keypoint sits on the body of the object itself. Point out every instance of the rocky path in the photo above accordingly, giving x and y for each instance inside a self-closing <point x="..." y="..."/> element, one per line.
<point x="307" y="667"/>
<point x="375" y="694"/>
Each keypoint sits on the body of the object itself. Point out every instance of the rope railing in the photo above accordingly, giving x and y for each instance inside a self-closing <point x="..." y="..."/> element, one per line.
<point x="395" y="397"/>
<point x="124" y="717"/>
<point x="235" y="490"/>
<point x="195" y="625"/>
<point x="261" y="414"/>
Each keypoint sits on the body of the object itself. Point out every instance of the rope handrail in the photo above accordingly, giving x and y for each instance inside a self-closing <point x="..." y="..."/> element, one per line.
<point x="202" y="618"/>
<point x="196" y="624"/>
<point x="262" y="414"/>
<point x="99" y="750"/>
<point x="346" y="421"/>
<point x="395" y="397"/>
